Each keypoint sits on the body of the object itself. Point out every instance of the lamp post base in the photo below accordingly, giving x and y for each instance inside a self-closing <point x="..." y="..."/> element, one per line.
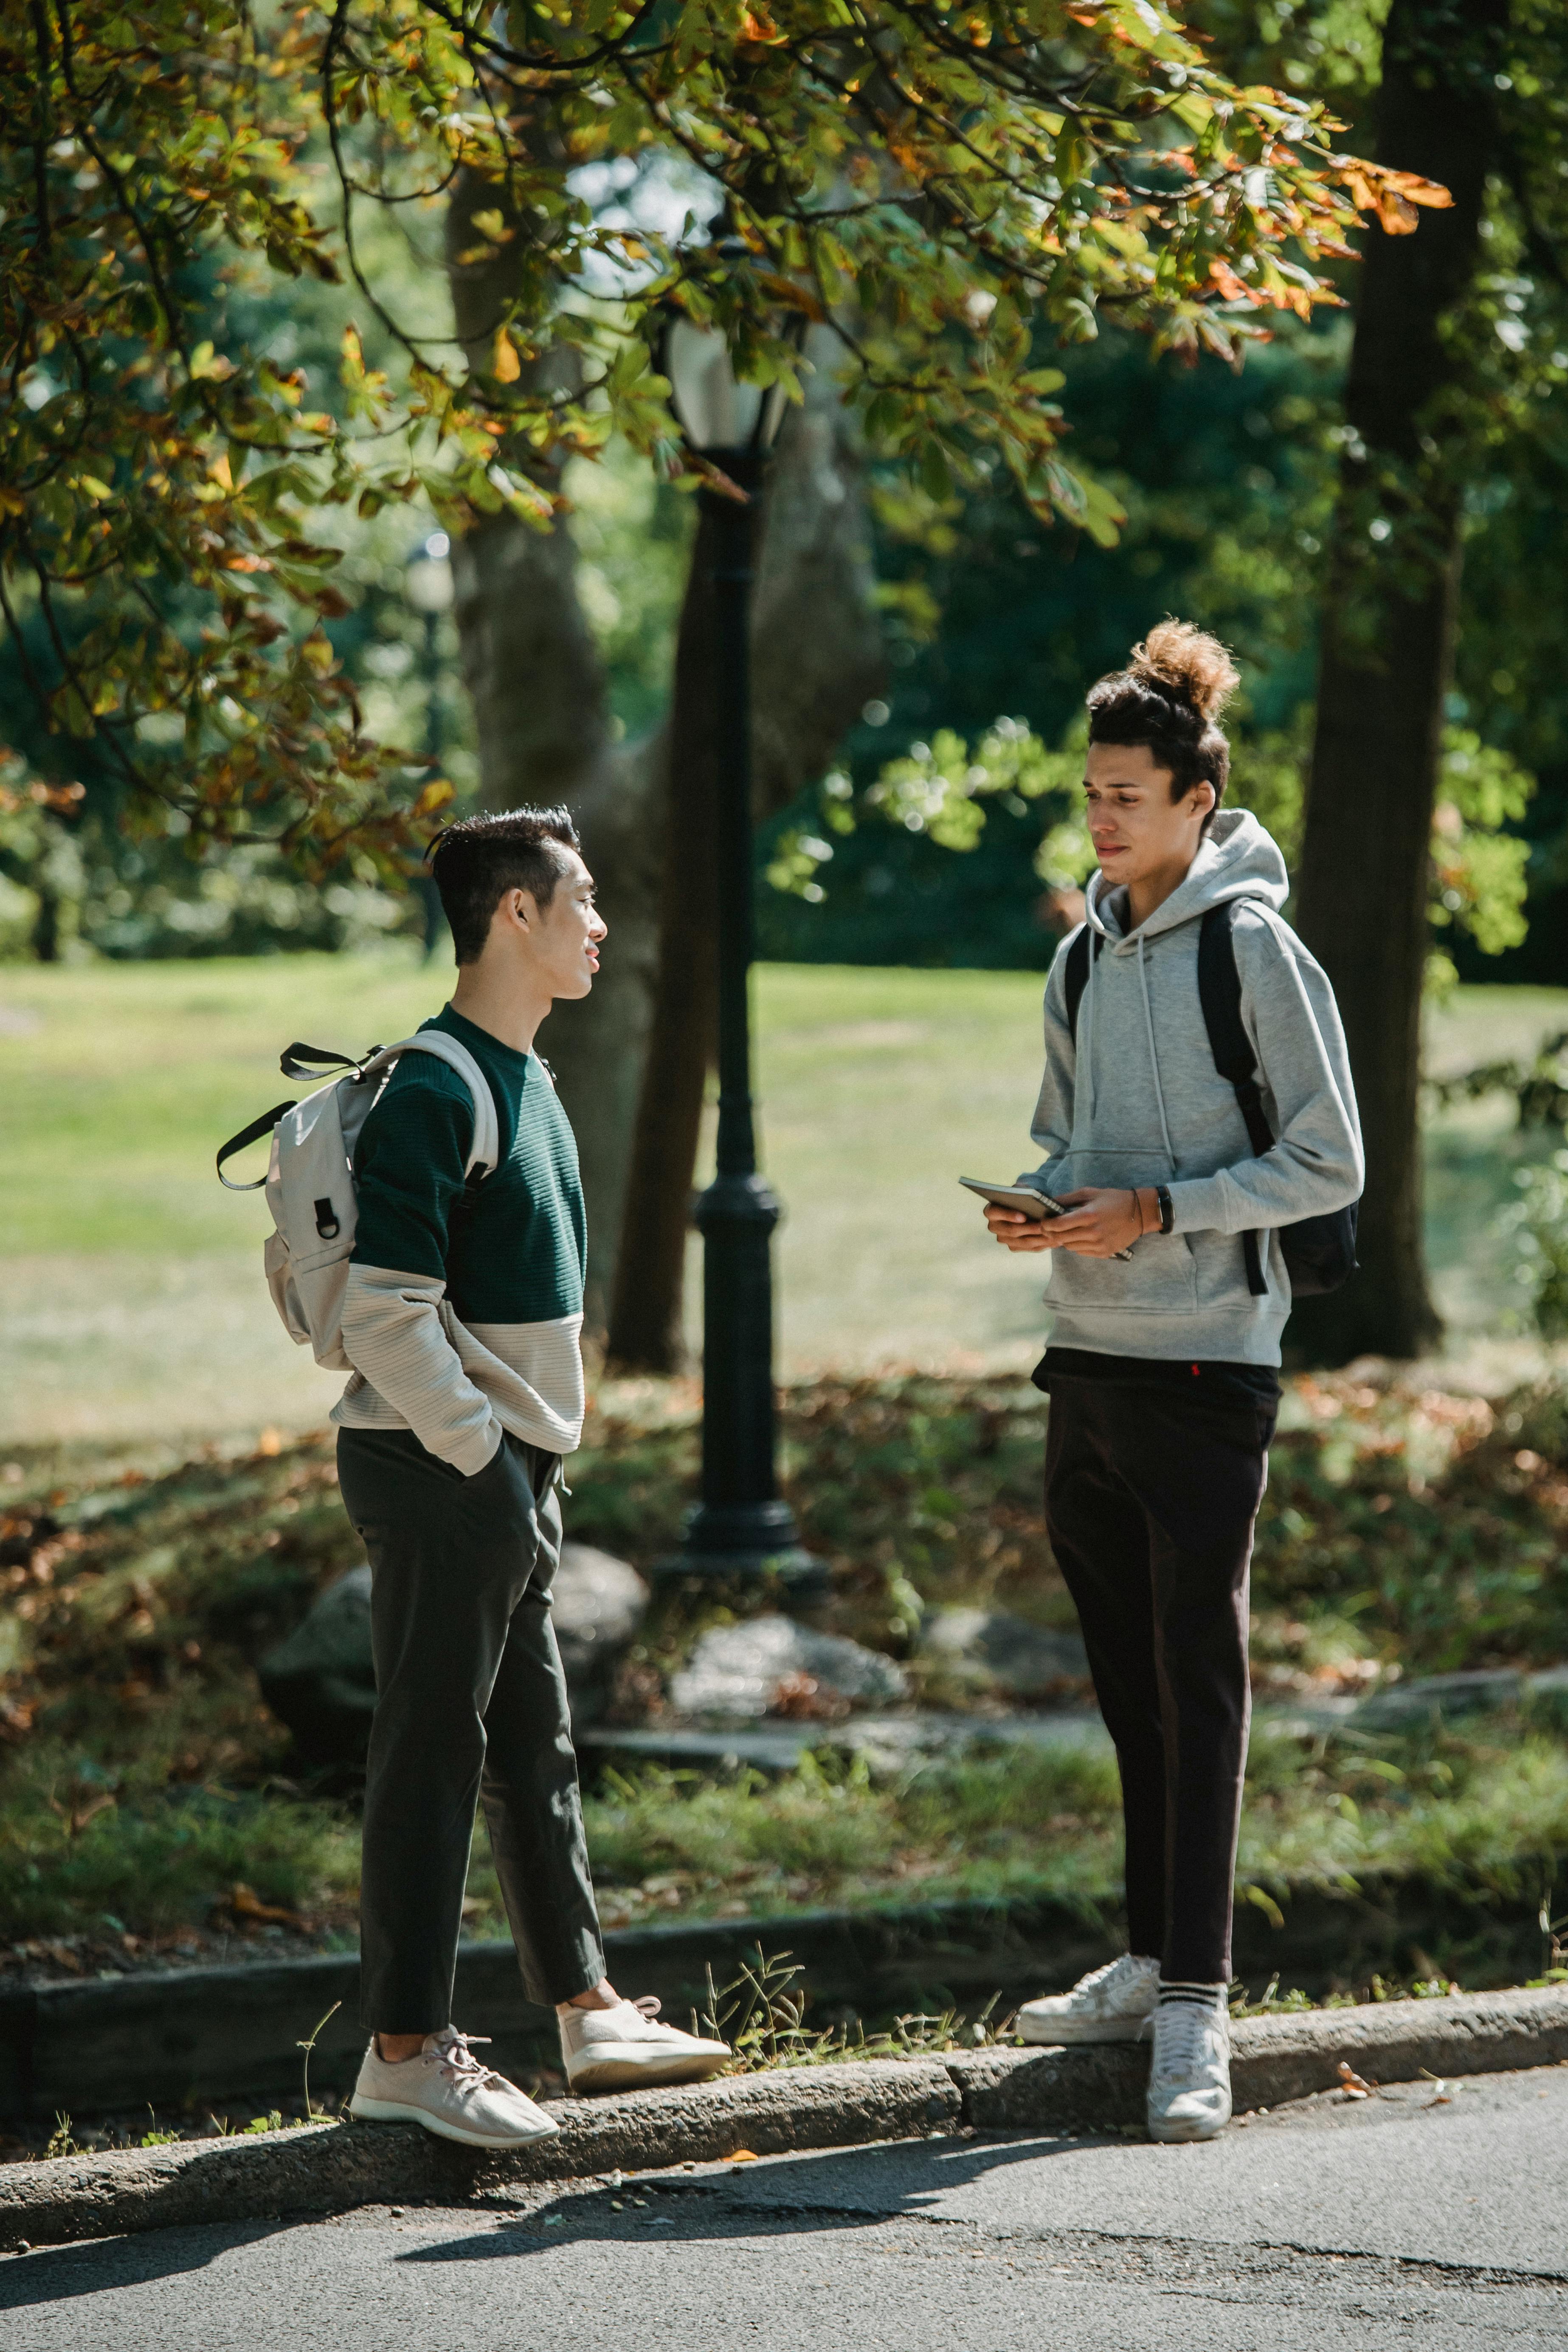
<point x="745" y="1542"/>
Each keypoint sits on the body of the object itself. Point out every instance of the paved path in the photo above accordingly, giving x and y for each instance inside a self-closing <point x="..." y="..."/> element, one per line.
<point x="1351" y="2227"/>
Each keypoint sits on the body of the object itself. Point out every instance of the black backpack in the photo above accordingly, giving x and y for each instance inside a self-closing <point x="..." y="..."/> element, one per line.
<point x="1320" y="1252"/>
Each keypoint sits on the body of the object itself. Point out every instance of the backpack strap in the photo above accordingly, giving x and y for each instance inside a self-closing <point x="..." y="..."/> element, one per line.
<point x="1076" y="977"/>
<point x="484" y="1152"/>
<point x="298" y="1061"/>
<point x="251" y="1134"/>
<point x="1219" y="993"/>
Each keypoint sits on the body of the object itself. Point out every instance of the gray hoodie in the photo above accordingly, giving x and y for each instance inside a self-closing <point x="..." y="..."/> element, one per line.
<point x="1140" y="1102"/>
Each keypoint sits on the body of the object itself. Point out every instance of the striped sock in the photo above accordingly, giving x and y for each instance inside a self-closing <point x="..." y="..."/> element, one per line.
<point x="1197" y="1996"/>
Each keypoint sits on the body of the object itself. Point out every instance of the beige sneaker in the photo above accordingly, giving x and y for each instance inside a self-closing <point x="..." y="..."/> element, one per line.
<point x="445" y="2088"/>
<point x="617" y="2049"/>
<point x="1115" y="2003"/>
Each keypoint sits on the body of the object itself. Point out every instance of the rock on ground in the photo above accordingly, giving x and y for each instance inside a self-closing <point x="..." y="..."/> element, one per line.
<point x="320" y="1682"/>
<point x="992" y="1648"/>
<point x="771" y="1664"/>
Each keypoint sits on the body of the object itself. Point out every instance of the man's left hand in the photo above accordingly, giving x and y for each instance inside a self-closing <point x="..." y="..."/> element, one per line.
<point x="1102" y="1220"/>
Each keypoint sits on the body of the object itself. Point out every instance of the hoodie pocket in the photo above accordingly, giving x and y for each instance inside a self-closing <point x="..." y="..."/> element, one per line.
<point x="1159" y="1278"/>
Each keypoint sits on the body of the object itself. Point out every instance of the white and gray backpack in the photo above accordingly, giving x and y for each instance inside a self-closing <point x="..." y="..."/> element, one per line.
<point x="309" y="1178"/>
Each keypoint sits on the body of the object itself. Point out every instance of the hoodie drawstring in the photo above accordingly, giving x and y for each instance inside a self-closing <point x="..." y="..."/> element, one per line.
<point x="1153" y="1057"/>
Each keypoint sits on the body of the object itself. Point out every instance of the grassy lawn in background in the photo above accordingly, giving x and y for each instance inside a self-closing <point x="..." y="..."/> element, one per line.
<point x="131" y="1300"/>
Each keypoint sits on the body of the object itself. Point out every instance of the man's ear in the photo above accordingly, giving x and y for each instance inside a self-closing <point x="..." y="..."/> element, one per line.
<point x="1205" y="800"/>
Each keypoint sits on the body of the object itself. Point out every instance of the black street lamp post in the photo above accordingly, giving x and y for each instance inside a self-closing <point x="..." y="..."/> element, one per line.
<point x="742" y="1526"/>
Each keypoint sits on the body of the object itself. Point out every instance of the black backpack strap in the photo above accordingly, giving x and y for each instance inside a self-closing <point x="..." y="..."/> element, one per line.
<point x="1220" y="992"/>
<point x="1076" y="977"/>
<point x="251" y="1134"/>
<point x="298" y="1061"/>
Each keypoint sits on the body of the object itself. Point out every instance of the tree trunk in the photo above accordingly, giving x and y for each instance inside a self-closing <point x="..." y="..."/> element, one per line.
<point x="46" y="941"/>
<point x="1387" y="654"/>
<point x="816" y="656"/>
<point x="645" y="1323"/>
<point x="542" y="711"/>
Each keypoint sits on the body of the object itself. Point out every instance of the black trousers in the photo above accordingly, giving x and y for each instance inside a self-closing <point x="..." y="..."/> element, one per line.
<point x="470" y="1705"/>
<point x="1151" y="1496"/>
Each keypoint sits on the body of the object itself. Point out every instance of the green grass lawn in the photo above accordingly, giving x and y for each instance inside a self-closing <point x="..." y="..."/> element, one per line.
<point x="131" y="1300"/>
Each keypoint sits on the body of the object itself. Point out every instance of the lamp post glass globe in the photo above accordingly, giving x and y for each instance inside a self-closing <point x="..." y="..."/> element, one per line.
<point x="428" y="575"/>
<point x="716" y="411"/>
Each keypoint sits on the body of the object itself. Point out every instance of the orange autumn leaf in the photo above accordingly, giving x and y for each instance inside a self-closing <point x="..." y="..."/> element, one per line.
<point x="245" y="1903"/>
<point x="1391" y="195"/>
<point x="1417" y="191"/>
<point x="1396" y="217"/>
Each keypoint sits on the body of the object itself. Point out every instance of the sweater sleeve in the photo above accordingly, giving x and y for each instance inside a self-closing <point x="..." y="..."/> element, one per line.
<point x="1315" y="1164"/>
<point x="1051" y="1127"/>
<point x="409" y="1174"/>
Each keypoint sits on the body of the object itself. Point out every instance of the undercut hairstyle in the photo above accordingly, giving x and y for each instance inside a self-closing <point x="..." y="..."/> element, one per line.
<point x="478" y="859"/>
<point x="1168" y="699"/>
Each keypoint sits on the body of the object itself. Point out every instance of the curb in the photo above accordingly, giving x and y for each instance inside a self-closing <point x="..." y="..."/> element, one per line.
<point x="330" y="2168"/>
<point x="230" y="2033"/>
<point x="1273" y="2058"/>
<point x="233" y="2032"/>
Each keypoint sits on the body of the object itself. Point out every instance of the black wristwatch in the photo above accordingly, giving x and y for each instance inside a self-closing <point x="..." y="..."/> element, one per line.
<point x="1167" y="1214"/>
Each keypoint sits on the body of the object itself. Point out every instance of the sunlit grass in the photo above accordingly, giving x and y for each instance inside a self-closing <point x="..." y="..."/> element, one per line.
<point x="131" y="1300"/>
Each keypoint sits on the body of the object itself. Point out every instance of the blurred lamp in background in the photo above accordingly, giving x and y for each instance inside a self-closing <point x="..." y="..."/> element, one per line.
<point x="742" y="1524"/>
<point x="427" y="583"/>
<point x="428" y="576"/>
<point x="719" y="417"/>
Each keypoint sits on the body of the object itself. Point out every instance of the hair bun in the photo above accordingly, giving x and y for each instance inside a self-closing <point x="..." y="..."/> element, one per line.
<point x="1182" y="660"/>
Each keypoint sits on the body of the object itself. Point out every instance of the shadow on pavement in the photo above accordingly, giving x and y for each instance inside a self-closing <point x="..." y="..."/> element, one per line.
<point x="57" y="2273"/>
<point x="854" y="2187"/>
<point x="860" y="2187"/>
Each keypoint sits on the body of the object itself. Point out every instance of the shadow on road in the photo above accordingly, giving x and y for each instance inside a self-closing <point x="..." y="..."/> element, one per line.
<point x="61" y="2273"/>
<point x="855" y="2187"/>
<point x="859" y="2188"/>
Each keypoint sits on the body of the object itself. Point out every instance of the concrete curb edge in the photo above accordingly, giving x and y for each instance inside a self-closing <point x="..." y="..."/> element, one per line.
<point x="334" y="2168"/>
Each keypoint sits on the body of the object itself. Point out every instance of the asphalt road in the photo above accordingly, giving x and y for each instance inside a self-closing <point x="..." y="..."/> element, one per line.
<point x="1325" y="2225"/>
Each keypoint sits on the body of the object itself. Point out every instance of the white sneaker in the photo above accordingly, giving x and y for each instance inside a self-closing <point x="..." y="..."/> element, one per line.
<point x="1111" y="2004"/>
<point x="1189" y="2080"/>
<point x="614" y="2049"/>
<point x="445" y="2088"/>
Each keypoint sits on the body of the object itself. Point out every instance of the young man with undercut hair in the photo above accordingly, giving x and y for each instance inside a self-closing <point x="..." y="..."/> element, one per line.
<point x="463" y="1320"/>
<point x="1202" y="1165"/>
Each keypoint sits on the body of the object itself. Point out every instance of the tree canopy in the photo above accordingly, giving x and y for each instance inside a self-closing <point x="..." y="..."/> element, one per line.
<point x="937" y="181"/>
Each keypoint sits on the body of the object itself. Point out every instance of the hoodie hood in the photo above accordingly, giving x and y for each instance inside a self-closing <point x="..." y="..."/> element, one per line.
<point x="1237" y="859"/>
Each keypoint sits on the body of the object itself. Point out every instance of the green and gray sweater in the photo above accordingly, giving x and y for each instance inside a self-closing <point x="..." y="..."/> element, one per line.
<point x="464" y="1311"/>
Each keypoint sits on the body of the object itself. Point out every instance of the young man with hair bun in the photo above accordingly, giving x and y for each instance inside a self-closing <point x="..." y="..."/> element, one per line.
<point x="463" y="1319"/>
<point x="1170" y="1291"/>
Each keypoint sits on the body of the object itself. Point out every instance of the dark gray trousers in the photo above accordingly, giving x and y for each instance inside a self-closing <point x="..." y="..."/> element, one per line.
<point x="471" y="1705"/>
